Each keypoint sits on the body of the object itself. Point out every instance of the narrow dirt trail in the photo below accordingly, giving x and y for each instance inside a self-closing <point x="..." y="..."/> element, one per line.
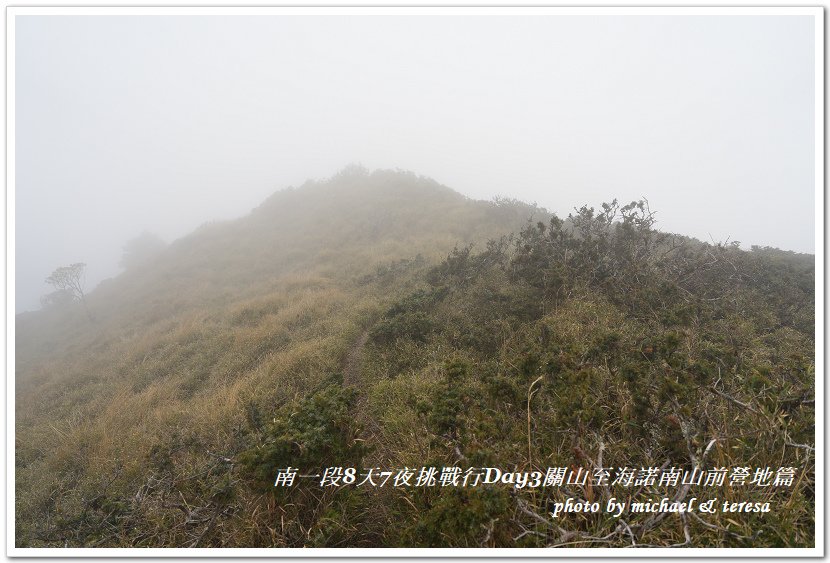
<point x="354" y="362"/>
<point x="372" y="432"/>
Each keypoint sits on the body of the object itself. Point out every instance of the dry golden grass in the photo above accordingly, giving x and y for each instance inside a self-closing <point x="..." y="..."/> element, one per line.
<point x="129" y="428"/>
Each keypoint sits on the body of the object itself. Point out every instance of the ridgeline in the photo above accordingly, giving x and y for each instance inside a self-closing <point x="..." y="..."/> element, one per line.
<point x="382" y="320"/>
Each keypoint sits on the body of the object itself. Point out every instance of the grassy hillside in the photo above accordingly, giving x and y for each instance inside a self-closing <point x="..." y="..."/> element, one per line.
<point x="384" y="321"/>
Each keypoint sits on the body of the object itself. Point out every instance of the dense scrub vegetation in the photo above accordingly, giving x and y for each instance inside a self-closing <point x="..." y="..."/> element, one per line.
<point x="382" y="321"/>
<point x="601" y="341"/>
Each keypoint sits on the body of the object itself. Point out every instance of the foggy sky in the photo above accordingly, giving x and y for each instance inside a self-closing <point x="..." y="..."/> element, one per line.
<point x="161" y="123"/>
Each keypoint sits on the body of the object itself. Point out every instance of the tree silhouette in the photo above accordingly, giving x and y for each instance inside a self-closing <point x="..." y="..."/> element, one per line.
<point x="70" y="279"/>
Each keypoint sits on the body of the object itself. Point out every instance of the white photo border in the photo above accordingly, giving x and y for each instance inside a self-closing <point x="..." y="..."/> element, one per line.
<point x="817" y="551"/>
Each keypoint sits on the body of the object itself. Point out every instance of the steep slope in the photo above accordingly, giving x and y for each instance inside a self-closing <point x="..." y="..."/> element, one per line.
<point x="336" y="229"/>
<point x="219" y="329"/>
<point x="351" y="323"/>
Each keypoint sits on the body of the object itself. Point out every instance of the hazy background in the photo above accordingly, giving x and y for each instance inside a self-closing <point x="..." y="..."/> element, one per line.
<point x="126" y="124"/>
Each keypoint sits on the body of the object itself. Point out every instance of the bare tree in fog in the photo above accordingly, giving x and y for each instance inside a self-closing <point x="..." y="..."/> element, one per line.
<point x="69" y="281"/>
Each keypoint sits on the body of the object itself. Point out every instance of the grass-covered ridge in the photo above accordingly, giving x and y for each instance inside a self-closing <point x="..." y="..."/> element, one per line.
<point x="382" y="320"/>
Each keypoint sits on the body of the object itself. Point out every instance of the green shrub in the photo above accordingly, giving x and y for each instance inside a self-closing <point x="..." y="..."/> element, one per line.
<point x="320" y="432"/>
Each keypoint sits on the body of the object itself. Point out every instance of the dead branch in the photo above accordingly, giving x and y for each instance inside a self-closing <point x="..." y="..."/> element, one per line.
<point x="655" y="519"/>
